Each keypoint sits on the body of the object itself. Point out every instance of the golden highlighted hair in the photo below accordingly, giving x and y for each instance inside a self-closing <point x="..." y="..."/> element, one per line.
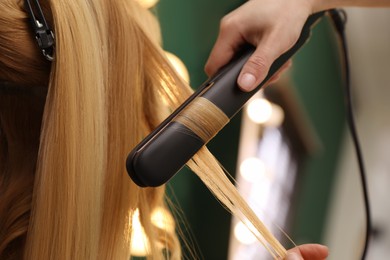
<point x="64" y="192"/>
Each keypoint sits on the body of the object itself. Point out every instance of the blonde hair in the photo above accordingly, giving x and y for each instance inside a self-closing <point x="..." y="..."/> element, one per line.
<point x="64" y="191"/>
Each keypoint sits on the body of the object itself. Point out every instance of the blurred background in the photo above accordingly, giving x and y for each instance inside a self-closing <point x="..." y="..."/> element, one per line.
<point x="290" y="149"/>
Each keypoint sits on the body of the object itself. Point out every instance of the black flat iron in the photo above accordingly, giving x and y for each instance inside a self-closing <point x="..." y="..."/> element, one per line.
<point x="157" y="158"/>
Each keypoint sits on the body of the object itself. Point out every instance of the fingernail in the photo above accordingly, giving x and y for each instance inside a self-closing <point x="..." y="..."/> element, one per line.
<point x="293" y="256"/>
<point x="247" y="81"/>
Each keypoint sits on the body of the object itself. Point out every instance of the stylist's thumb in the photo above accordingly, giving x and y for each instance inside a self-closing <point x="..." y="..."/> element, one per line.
<point x="256" y="68"/>
<point x="293" y="256"/>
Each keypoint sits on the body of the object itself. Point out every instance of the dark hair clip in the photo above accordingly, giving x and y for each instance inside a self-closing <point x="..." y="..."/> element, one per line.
<point x="43" y="34"/>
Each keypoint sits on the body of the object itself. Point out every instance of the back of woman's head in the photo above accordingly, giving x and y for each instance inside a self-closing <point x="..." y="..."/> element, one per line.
<point x="73" y="199"/>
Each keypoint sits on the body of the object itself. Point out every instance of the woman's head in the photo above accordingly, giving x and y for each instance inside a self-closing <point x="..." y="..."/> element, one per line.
<point x="73" y="194"/>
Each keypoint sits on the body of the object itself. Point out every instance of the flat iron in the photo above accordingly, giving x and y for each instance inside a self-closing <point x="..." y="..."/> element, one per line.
<point x="157" y="158"/>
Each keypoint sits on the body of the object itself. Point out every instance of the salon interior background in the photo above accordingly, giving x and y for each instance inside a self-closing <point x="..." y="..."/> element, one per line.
<point x="326" y="205"/>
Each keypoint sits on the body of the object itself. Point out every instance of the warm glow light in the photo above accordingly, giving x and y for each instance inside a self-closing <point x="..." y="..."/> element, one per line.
<point x="243" y="234"/>
<point x="162" y="219"/>
<point x="179" y="66"/>
<point x="259" y="110"/>
<point x="277" y="116"/>
<point x="147" y="3"/>
<point x="262" y="111"/>
<point x="139" y="241"/>
<point x="252" y="169"/>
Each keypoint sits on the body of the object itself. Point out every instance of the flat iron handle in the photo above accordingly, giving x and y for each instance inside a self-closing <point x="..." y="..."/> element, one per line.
<point x="226" y="94"/>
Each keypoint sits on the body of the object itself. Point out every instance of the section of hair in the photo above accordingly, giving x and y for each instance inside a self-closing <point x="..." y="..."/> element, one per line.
<point x="203" y="117"/>
<point x="215" y="179"/>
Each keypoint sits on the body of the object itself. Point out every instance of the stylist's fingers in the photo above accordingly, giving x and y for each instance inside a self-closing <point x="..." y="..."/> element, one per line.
<point x="272" y="26"/>
<point x="308" y="252"/>
<point x="228" y="42"/>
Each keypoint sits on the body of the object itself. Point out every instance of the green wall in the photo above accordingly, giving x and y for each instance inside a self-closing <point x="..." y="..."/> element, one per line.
<point x="318" y="81"/>
<point x="189" y="30"/>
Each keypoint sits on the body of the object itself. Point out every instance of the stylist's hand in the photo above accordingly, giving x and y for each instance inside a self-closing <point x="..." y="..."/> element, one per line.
<point x="308" y="252"/>
<point x="273" y="26"/>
